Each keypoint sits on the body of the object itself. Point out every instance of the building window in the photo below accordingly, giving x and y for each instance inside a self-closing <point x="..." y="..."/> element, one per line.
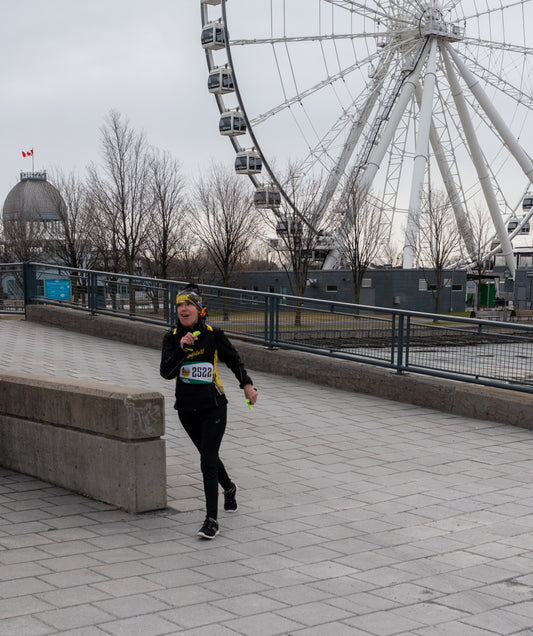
<point x="422" y="284"/>
<point x="525" y="260"/>
<point x="331" y="288"/>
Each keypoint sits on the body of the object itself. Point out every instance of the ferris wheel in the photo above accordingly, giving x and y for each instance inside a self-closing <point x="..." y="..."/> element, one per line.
<point x="394" y="94"/>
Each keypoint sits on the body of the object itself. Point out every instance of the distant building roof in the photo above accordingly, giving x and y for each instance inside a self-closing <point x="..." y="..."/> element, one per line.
<point x="33" y="199"/>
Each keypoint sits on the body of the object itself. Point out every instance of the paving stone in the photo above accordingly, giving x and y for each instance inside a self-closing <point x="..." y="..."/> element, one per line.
<point x="73" y="617"/>
<point x="384" y="623"/>
<point x="500" y="621"/>
<point x="134" y="605"/>
<point x="25" y="625"/>
<point x="263" y="625"/>
<point x="141" y="626"/>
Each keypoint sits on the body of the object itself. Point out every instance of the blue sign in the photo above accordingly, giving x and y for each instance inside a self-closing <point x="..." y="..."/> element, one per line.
<point x="57" y="289"/>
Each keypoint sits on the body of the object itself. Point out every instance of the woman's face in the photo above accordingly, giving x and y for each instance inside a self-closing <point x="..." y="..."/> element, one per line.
<point x="188" y="314"/>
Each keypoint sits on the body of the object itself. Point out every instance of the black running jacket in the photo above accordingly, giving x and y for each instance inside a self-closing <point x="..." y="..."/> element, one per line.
<point x="198" y="384"/>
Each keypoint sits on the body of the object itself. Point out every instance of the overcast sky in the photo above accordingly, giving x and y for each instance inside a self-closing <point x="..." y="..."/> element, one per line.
<point x="66" y="63"/>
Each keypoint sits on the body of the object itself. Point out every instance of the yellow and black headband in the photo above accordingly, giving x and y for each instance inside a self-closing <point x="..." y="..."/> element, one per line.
<point x="189" y="296"/>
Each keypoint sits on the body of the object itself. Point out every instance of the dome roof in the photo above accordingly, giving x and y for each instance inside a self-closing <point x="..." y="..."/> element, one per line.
<point x="33" y="199"/>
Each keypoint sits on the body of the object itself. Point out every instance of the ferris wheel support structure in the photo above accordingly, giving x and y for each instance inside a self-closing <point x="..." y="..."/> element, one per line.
<point x="480" y="165"/>
<point x="453" y="194"/>
<point x="421" y="159"/>
<point x="352" y="140"/>
<point x="511" y="141"/>
<point x="399" y="103"/>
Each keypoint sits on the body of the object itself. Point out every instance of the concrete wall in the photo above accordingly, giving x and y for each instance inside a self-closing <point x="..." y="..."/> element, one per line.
<point x="103" y="442"/>
<point x="460" y="398"/>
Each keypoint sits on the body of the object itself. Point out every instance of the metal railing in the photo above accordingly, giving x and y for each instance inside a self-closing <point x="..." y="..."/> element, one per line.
<point x="489" y="352"/>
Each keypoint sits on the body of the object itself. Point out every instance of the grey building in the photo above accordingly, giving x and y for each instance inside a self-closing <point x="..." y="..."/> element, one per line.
<point x="400" y="288"/>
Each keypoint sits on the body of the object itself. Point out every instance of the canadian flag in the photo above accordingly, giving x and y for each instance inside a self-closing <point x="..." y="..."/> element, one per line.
<point x="29" y="153"/>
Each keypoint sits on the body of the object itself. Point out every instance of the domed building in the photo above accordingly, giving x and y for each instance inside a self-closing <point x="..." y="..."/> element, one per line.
<point x="32" y="215"/>
<point x="34" y="199"/>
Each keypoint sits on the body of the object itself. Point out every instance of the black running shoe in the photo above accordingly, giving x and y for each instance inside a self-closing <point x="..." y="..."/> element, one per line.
<point x="209" y="530"/>
<point x="230" y="503"/>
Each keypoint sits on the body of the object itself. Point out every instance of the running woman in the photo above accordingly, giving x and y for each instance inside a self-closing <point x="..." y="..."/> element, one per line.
<point x="190" y="354"/>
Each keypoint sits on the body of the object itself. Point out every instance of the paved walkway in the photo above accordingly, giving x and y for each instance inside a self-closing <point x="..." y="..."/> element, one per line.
<point x="356" y="516"/>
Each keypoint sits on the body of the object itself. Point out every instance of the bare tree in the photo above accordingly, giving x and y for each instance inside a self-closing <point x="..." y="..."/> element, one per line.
<point x="391" y="254"/>
<point x="259" y="258"/>
<point x="482" y="233"/>
<point x="222" y="205"/>
<point x="4" y="251"/>
<point x="25" y="238"/>
<point x="165" y="235"/>
<point x="361" y="235"/>
<point x="439" y="240"/>
<point x="120" y="189"/>
<point x="72" y="239"/>
<point x="193" y="261"/>
<point x="296" y="228"/>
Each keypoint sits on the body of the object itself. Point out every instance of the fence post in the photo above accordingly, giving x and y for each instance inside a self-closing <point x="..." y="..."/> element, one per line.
<point x="91" y="292"/>
<point x="266" y="318"/>
<point x="171" y="312"/>
<point x="272" y="311"/>
<point x="399" y="359"/>
<point x="29" y="282"/>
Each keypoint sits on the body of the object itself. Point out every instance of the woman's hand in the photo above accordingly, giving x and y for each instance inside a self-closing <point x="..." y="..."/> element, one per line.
<point x="250" y="393"/>
<point x="187" y="340"/>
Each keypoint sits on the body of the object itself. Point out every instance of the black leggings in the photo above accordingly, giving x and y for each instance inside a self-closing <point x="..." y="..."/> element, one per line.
<point x="206" y="429"/>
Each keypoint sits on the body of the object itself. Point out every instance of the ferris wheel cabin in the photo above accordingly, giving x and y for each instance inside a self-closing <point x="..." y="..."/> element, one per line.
<point x="527" y="203"/>
<point x="211" y="2"/>
<point x="213" y="37"/>
<point x="220" y="81"/>
<point x="288" y="227"/>
<point x="232" y="123"/>
<point x="248" y="162"/>
<point x="266" y="197"/>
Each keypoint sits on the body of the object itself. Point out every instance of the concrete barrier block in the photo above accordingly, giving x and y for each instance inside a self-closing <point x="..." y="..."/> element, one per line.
<point x="130" y="475"/>
<point x="98" y="440"/>
<point x="103" y="409"/>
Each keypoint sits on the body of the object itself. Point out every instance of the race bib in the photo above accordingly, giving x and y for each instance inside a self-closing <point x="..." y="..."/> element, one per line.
<point x="196" y="373"/>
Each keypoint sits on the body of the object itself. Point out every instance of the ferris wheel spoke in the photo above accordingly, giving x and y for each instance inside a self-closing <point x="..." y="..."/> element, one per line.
<point x="497" y="45"/>
<point x="492" y="10"/>
<point x="299" y="97"/>
<point x="356" y="115"/>
<point x="500" y="83"/>
<point x="350" y="144"/>
<point x="362" y="9"/>
<point x="306" y="38"/>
